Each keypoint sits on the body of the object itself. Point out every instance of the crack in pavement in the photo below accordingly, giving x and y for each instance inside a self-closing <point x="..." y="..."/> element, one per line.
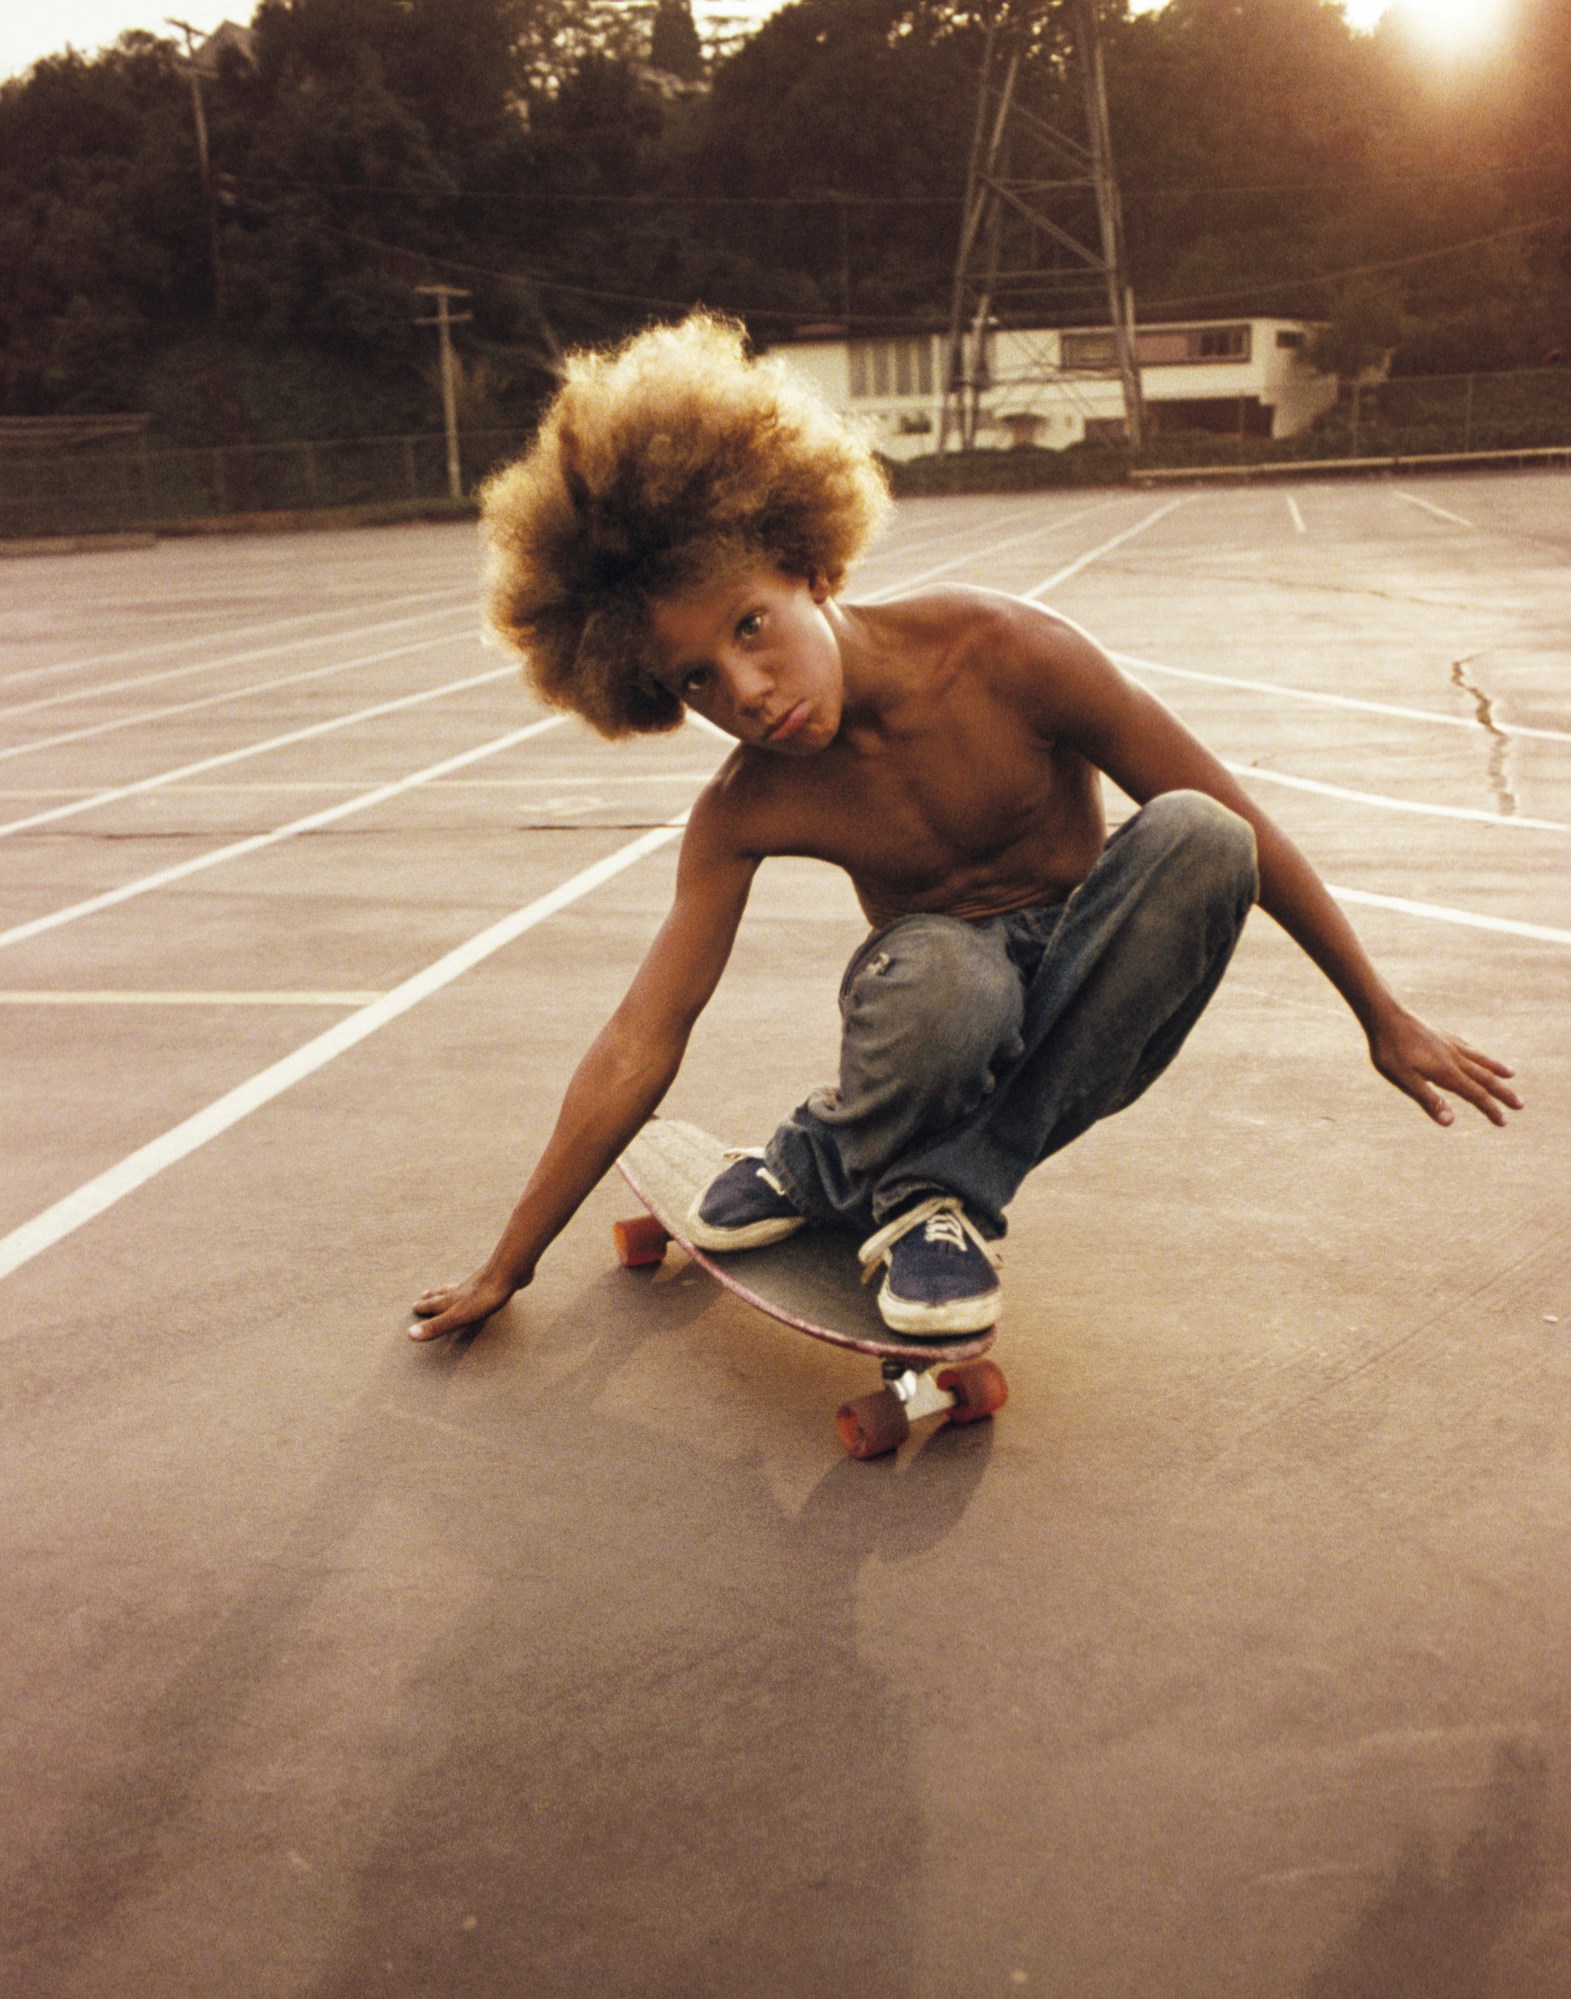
<point x="1499" y="741"/>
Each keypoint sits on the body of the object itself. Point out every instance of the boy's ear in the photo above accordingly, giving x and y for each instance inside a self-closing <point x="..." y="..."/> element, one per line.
<point x="818" y="583"/>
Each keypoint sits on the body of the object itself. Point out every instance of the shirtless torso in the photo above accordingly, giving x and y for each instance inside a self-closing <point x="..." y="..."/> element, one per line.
<point x="949" y="784"/>
<point x="944" y="749"/>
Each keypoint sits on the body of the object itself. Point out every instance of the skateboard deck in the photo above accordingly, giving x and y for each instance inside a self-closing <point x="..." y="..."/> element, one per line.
<point x="811" y="1282"/>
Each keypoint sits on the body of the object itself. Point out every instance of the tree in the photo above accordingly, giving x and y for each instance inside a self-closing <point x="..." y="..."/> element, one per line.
<point x="1270" y="159"/>
<point x="673" y="41"/>
<point x="101" y="227"/>
<point x="1363" y="328"/>
<point x="847" y="123"/>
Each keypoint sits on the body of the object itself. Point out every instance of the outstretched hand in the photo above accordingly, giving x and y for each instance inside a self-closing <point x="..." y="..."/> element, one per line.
<point x="449" y="1308"/>
<point x="1425" y="1063"/>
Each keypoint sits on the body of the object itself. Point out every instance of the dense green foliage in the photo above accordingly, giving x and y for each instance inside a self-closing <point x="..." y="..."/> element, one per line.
<point x="1271" y="160"/>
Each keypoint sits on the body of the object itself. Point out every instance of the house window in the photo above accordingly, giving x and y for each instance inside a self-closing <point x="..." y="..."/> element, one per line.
<point x="1222" y="343"/>
<point x="1089" y="350"/>
<point x="1159" y="346"/>
<point x="891" y="367"/>
<point x="1291" y="337"/>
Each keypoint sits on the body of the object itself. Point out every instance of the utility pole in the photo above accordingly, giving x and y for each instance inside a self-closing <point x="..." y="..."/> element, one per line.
<point x="1042" y="227"/>
<point x="1110" y="218"/>
<point x="194" y="71"/>
<point x="443" y="322"/>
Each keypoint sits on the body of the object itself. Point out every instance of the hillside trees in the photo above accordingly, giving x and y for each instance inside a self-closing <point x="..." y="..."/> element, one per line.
<point x="101" y="234"/>
<point x="862" y="110"/>
<point x="1274" y="161"/>
<point x="1271" y="160"/>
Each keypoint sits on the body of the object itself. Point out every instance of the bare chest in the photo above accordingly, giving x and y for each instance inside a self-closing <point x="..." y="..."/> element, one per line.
<point x="961" y="819"/>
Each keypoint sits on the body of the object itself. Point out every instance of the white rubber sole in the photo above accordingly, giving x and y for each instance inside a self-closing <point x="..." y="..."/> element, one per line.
<point x="960" y="1315"/>
<point x="757" y="1235"/>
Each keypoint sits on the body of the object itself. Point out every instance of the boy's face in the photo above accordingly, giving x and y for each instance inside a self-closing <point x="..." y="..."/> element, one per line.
<point x="757" y="656"/>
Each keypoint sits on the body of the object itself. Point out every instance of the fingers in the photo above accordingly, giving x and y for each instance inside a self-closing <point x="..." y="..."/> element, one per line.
<point x="1482" y="1080"/>
<point x="429" y="1329"/>
<point x="1479" y="1080"/>
<point x="429" y="1308"/>
<point x="452" y="1307"/>
<point x="436" y="1313"/>
<point x="1495" y="1068"/>
<point x="1432" y="1066"/>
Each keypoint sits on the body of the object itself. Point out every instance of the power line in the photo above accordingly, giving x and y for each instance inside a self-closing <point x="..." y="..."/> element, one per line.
<point x="831" y="198"/>
<point x="531" y="281"/>
<point x="1368" y="270"/>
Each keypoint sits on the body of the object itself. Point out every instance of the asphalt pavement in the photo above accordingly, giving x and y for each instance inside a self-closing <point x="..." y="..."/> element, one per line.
<point x="576" y="1659"/>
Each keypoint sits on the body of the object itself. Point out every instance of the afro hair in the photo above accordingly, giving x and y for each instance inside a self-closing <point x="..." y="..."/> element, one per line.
<point x="662" y="466"/>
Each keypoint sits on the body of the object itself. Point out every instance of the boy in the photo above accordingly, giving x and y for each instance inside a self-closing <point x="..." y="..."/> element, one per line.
<point x="675" y="539"/>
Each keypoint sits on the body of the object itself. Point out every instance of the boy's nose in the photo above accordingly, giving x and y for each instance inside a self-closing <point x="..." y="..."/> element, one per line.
<point x="750" y="685"/>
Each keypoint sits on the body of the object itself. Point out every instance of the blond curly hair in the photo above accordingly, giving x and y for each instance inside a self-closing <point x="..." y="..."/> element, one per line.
<point x="661" y="466"/>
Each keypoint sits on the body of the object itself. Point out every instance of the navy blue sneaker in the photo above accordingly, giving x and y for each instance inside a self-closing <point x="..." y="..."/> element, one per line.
<point x="942" y="1275"/>
<point x="743" y="1207"/>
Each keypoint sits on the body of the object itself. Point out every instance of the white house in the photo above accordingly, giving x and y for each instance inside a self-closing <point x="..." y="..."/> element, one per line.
<point x="1055" y="386"/>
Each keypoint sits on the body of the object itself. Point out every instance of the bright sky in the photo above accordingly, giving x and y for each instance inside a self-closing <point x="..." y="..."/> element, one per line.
<point x="33" y="28"/>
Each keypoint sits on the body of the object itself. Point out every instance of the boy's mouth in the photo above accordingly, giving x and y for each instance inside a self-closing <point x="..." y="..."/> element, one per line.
<point x="788" y="725"/>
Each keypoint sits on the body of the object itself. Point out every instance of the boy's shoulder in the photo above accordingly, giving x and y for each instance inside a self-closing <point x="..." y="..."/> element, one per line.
<point x="963" y="632"/>
<point x="967" y="613"/>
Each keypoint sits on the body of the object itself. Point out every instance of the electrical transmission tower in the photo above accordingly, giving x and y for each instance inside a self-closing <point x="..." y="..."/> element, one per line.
<point x="1042" y="237"/>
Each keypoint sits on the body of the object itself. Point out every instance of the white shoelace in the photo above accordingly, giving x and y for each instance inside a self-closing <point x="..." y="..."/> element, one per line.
<point x="942" y="1219"/>
<point x="945" y="1228"/>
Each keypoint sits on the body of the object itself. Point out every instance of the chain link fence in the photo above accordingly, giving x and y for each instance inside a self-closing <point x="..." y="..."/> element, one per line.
<point x="1517" y="416"/>
<point x="104" y="486"/>
<point x="99" y="487"/>
<point x="1417" y="415"/>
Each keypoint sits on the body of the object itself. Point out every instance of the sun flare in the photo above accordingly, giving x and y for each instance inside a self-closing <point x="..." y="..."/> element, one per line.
<point x="1453" y="27"/>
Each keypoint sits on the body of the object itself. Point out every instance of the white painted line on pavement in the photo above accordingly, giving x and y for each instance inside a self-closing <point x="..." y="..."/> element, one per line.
<point x="903" y="547"/>
<point x="1339" y="700"/>
<point x="255" y="842"/>
<point x="1441" y="513"/>
<point x="160" y="647"/>
<point x="1095" y="555"/>
<point x="134" y="1171"/>
<point x="144" y="715"/>
<point x="161" y="778"/>
<point x="258" y="787"/>
<point x="1039" y="532"/>
<point x="1434" y="912"/>
<point x="608" y="783"/>
<point x="1292" y="508"/>
<point x="1475" y="813"/>
<point x="86" y="996"/>
<point x="98" y="689"/>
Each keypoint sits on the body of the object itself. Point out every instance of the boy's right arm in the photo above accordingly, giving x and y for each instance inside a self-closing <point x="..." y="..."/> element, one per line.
<point x="628" y="1069"/>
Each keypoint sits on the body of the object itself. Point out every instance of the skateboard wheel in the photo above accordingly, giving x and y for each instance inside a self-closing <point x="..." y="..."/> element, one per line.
<point x="639" y="1241"/>
<point x="872" y="1425"/>
<point x="978" y="1387"/>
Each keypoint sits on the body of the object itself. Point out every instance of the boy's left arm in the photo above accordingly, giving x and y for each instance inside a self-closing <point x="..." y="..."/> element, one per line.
<point x="1086" y="701"/>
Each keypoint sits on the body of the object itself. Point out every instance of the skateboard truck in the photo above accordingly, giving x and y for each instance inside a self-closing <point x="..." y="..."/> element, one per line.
<point x="917" y="1389"/>
<point x="801" y="1284"/>
<point x="964" y="1392"/>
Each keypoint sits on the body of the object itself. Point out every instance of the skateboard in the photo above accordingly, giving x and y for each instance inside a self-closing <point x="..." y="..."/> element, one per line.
<point x="810" y="1281"/>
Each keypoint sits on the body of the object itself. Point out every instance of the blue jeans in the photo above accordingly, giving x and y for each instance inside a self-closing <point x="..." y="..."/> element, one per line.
<point x="970" y="1051"/>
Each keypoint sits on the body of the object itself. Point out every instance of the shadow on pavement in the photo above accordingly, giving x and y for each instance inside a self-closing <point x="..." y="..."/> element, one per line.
<point x="637" y="1752"/>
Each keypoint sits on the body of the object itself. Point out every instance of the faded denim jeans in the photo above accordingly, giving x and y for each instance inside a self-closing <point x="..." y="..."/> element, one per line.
<point x="970" y="1051"/>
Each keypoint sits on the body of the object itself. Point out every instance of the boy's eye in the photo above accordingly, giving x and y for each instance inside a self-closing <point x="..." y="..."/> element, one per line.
<point x="750" y="626"/>
<point x="695" y="682"/>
